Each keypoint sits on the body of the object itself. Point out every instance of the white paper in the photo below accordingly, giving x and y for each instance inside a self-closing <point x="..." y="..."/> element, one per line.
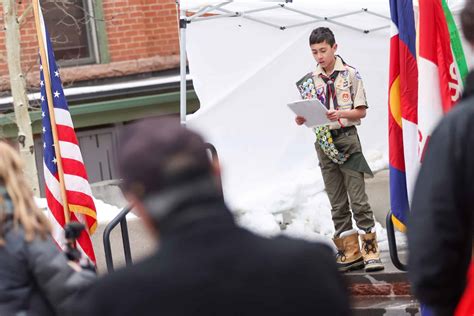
<point x="312" y="110"/>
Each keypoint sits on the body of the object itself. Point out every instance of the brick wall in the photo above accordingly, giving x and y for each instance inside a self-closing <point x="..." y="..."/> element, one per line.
<point x="136" y="30"/>
<point x="141" y="28"/>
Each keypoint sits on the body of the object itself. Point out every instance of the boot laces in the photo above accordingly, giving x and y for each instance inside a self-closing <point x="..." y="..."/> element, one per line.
<point x="341" y="255"/>
<point x="370" y="246"/>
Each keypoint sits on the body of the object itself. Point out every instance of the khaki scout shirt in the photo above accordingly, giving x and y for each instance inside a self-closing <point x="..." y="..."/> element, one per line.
<point x="349" y="91"/>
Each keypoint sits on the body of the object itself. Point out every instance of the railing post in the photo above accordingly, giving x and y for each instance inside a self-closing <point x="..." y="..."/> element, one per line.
<point x="392" y="244"/>
<point x="120" y="218"/>
<point x="126" y="242"/>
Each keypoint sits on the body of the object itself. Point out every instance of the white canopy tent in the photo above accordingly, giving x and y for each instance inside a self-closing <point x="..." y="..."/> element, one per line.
<point x="245" y="58"/>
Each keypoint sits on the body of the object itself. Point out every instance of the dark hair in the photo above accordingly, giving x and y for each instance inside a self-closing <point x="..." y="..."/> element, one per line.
<point x="158" y="154"/>
<point x="322" y="34"/>
<point x="467" y="21"/>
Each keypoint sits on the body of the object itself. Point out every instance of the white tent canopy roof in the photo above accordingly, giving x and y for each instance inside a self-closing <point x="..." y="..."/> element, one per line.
<point x="301" y="12"/>
<point x="286" y="15"/>
<point x="312" y="5"/>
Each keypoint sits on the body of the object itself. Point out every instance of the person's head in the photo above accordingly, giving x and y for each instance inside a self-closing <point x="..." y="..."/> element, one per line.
<point x="467" y="21"/>
<point x="160" y="162"/>
<point x="323" y="46"/>
<point x="16" y="198"/>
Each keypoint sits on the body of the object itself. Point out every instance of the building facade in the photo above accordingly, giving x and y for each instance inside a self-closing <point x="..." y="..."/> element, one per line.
<point x="118" y="62"/>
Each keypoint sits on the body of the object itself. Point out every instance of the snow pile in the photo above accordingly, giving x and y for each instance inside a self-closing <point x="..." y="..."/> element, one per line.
<point x="301" y="207"/>
<point x="295" y="205"/>
<point x="105" y="212"/>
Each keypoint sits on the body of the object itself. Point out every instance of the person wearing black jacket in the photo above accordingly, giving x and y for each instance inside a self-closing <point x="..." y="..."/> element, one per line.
<point x="35" y="277"/>
<point x="441" y="226"/>
<point x="205" y="264"/>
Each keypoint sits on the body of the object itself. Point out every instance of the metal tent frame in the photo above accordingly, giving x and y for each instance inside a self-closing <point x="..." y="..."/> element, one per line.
<point x="219" y="11"/>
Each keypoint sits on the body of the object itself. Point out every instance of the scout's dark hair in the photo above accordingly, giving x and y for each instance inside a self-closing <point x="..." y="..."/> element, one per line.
<point x="467" y="21"/>
<point x="322" y="34"/>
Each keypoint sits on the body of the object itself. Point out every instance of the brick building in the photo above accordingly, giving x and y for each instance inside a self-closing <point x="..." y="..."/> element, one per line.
<point x="118" y="62"/>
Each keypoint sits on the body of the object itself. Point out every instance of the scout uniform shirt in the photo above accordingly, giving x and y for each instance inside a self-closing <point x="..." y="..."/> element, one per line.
<point x="346" y="84"/>
<point x="342" y="90"/>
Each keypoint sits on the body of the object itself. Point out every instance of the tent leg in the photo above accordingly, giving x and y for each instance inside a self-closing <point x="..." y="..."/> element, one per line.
<point x="182" y="56"/>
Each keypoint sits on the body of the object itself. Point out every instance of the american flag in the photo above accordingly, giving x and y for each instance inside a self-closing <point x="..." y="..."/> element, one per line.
<point x="78" y="191"/>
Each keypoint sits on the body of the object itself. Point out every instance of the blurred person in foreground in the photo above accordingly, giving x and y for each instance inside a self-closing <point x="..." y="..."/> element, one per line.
<point x="205" y="264"/>
<point x="441" y="227"/>
<point x="35" y="276"/>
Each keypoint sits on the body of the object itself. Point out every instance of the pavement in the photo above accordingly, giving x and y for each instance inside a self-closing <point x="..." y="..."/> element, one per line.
<point x="379" y="293"/>
<point x="142" y="244"/>
<point x="378" y="191"/>
<point x="385" y="306"/>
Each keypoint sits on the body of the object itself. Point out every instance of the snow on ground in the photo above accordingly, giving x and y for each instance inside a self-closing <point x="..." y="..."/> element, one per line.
<point x="105" y="212"/>
<point x="301" y="204"/>
<point x="298" y="207"/>
<point x="377" y="160"/>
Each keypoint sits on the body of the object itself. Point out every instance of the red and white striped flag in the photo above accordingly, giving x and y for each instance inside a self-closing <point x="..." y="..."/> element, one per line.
<point x="64" y="171"/>
<point x="441" y="67"/>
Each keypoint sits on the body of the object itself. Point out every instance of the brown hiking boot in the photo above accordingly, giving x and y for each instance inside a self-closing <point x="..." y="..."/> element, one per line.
<point x="348" y="252"/>
<point x="370" y="252"/>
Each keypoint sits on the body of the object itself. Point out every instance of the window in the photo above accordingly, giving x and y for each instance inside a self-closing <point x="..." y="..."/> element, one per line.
<point x="71" y="27"/>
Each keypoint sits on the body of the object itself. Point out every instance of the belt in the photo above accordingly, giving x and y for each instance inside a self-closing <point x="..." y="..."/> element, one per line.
<point x="342" y="130"/>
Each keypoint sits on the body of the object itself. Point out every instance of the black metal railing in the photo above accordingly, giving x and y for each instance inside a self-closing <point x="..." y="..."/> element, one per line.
<point x="392" y="244"/>
<point x="121" y="219"/>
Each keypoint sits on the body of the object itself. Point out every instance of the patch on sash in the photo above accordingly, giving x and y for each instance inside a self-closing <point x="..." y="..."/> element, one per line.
<point x="307" y="88"/>
<point x="346" y="96"/>
<point x="320" y="90"/>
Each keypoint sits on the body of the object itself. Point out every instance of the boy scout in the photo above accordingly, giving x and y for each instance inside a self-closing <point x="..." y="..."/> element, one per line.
<point x="339" y="87"/>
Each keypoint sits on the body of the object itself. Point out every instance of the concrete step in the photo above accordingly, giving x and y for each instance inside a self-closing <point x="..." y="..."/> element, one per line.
<point x="385" y="292"/>
<point x="388" y="282"/>
<point x="385" y="306"/>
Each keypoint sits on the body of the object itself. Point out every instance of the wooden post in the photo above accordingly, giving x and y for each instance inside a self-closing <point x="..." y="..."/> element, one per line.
<point x="19" y="94"/>
<point x="47" y="83"/>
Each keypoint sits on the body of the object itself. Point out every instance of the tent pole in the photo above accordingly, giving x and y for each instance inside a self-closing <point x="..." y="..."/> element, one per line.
<point x="182" y="56"/>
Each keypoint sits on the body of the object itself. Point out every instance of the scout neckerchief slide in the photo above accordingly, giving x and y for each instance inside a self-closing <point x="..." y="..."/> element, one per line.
<point x="307" y="90"/>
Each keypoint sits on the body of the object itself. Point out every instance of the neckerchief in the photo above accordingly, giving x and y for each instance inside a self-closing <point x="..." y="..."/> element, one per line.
<point x="331" y="89"/>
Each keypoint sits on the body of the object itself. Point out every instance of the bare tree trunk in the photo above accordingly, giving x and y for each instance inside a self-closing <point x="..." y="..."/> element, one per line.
<point x="20" y="98"/>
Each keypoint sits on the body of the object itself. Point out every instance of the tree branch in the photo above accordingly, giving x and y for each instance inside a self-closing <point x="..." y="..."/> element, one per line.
<point x="25" y="13"/>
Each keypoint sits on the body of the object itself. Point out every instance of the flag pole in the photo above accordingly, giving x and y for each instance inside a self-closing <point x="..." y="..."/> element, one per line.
<point x="47" y="82"/>
<point x="182" y="62"/>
